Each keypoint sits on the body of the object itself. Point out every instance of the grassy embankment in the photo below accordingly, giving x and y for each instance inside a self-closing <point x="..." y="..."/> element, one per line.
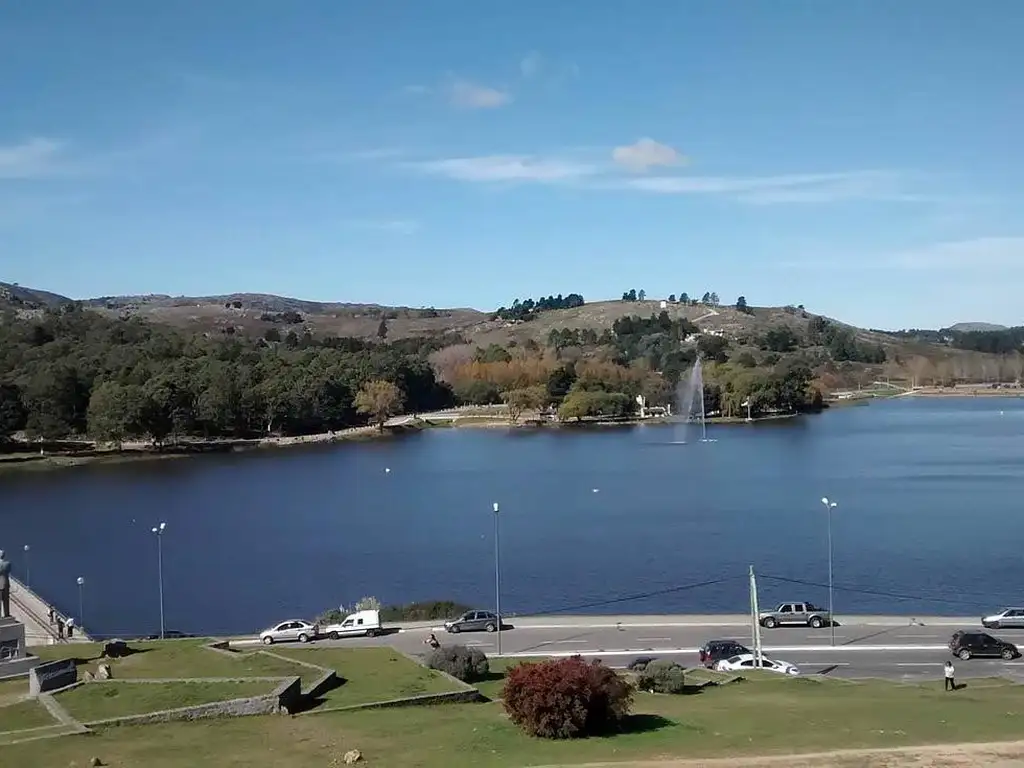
<point x="762" y="716"/>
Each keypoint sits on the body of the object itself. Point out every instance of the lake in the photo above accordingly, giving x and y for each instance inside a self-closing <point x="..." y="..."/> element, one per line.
<point x="601" y="520"/>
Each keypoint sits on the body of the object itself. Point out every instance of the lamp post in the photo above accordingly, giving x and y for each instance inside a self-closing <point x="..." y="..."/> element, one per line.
<point x="829" y="506"/>
<point x="28" y="568"/>
<point x="497" y="573"/>
<point x="159" y="533"/>
<point x="81" y="604"/>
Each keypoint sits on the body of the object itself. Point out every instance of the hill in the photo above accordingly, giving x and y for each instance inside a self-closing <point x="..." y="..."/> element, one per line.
<point x="845" y="355"/>
<point x="971" y="327"/>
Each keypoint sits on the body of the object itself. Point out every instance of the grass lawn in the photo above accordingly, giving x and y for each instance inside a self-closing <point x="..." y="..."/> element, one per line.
<point x="98" y="701"/>
<point x="24" y="714"/>
<point x="175" y="659"/>
<point x="753" y="717"/>
<point x="13" y="689"/>
<point x="371" y="674"/>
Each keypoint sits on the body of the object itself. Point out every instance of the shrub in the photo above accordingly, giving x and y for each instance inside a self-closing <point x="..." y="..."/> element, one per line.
<point x="566" y="698"/>
<point x="662" y="676"/>
<point x="427" y="611"/>
<point x="465" y="664"/>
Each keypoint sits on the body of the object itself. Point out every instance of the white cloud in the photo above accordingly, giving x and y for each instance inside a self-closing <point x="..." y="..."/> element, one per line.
<point x="532" y="64"/>
<point x="784" y="188"/>
<point x="507" y="168"/>
<point x="646" y="154"/>
<point x="467" y="95"/>
<point x="31" y="159"/>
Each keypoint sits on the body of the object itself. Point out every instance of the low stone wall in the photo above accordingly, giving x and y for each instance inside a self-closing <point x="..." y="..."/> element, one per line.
<point x="286" y="698"/>
<point x="427" y="699"/>
<point x="326" y="682"/>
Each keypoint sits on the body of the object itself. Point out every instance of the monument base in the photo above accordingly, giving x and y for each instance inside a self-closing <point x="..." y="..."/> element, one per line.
<point x="14" y="660"/>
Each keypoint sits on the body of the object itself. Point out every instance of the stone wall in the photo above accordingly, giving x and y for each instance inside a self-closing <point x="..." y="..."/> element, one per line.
<point x="326" y="682"/>
<point x="284" y="699"/>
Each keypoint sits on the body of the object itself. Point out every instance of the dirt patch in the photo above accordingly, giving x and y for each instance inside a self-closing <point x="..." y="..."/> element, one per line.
<point x="982" y="755"/>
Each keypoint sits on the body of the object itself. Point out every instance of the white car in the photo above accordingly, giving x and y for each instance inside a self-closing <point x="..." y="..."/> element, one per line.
<point x="357" y="624"/>
<point x="293" y="629"/>
<point x="746" y="662"/>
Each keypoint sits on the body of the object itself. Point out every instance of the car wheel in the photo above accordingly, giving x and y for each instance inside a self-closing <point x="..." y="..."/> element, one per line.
<point x="371" y="633"/>
<point x="303" y="638"/>
<point x="964" y="654"/>
<point x="454" y="629"/>
<point x="1007" y="654"/>
<point x="816" y="622"/>
<point x="771" y="622"/>
<point x="490" y="628"/>
<point x="334" y="635"/>
<point x="268" y="641"/>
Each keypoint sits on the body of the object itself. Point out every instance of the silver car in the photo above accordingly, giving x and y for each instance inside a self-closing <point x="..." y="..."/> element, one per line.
<point x="1007" y="618"/>
<point x="286" y="631"/>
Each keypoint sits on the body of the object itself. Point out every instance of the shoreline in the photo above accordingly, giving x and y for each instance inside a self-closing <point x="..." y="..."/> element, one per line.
<point x="89" y="453"/>
<point x="473" y="417"/>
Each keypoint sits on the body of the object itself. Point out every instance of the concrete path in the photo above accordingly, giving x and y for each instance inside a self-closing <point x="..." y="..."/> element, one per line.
<point x="32" y="611"/>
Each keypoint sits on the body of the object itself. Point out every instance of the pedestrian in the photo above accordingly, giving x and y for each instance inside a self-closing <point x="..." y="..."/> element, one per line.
<point x="71" y="628"/>
<point x="60" y="627"/>
<point x="950" y="684"/>
<point x="51" y="616"/>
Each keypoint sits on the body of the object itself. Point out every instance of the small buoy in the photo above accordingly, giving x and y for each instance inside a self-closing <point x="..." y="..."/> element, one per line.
<point x="386" y="470"/>
<point x="594" y="490"/>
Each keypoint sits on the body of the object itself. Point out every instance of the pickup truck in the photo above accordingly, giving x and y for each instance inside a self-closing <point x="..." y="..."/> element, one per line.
<point x="804" y="614"/>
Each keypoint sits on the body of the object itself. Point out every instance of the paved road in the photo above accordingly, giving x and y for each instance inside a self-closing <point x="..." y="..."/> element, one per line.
<point x="887" y="647"/>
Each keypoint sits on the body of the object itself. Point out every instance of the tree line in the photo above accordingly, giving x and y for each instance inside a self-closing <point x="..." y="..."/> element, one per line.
<point x="528" y="309"/>
<point x="74" y="372"/>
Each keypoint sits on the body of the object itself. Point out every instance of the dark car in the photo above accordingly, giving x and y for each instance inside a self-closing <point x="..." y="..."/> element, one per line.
<point x="716" y="650"/>
<point x="170" y="634"/>
<point x="981" y="644"/>
<point x="640" y="663"/>
<point x="475" y="621"/>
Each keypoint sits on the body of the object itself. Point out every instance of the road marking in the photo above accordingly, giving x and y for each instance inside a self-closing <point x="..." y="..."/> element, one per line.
<point x="653" y="639"/>
<point x="768" y="650"/>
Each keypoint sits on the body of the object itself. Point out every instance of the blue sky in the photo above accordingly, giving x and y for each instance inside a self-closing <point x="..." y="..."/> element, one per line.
<point x="862" y="158"/>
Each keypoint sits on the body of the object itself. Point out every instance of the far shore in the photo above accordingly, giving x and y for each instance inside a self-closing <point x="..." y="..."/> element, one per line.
<point x="79" y="453"/>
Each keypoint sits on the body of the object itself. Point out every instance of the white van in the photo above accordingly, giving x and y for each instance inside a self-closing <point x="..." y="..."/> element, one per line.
<point x="357" y="624"/>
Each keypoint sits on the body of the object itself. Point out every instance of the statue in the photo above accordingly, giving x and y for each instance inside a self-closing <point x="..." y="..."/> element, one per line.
<point x="5" y="587"/>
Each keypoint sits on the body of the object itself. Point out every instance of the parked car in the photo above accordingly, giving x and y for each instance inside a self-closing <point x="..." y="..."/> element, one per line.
<point x="795" y="613"/>
<point x="746" y="661"/>
<point x="286" y="631"/>
<point x="715" y="650"/>
<point x="1006" y="618"/>
<point x="474" y="621"/>
<point x="967" y="644"/>
<point x="357" y="624"/>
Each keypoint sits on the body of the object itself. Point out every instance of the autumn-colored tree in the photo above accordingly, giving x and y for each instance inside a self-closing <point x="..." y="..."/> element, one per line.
<point x="380" y="400"/>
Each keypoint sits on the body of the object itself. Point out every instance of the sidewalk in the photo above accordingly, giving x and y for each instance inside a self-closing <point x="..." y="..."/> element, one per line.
<point x="32" y="611"/>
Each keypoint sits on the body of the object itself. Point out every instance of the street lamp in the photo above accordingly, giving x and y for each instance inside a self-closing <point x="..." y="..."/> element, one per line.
<point x="497" y="573"/>
<point x="159" y="533"/>
<point x="28" y="568"/>
<point x="81" y="609"/>
<point x="829" y="506"/>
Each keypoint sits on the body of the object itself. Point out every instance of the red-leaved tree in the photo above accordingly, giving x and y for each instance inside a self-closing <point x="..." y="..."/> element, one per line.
<point x="566" y="698"/>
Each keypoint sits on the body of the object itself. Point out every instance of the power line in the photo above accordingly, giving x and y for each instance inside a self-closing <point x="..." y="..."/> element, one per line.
<point x="873" y="592"/>
<point x="638" y="596"/>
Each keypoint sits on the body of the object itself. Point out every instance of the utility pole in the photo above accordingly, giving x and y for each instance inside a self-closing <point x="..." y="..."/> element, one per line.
<point x="497" y="573"/>
<point x="755" y="616"/>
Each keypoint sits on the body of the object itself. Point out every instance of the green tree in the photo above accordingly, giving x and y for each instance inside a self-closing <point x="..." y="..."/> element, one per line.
<point x="380" y="400"/>
<point x="684" y="298"/>
<point x="12" y="411"/>
<point x="382" y="329"/>
<point x="741" y="304"/>
<point x="706" y="298"/>
<point x="56" y="401"/>
<point x="525" y="399"/>
<point x="115" y="412"/>
<point x="641" y="295"/>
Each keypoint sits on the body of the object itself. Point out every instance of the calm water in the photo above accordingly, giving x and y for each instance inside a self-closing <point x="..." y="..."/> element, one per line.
<point x="929" y="520"/>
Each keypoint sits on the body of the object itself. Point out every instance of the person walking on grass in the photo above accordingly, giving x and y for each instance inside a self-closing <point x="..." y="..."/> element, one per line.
<point x="950" y="683"/>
